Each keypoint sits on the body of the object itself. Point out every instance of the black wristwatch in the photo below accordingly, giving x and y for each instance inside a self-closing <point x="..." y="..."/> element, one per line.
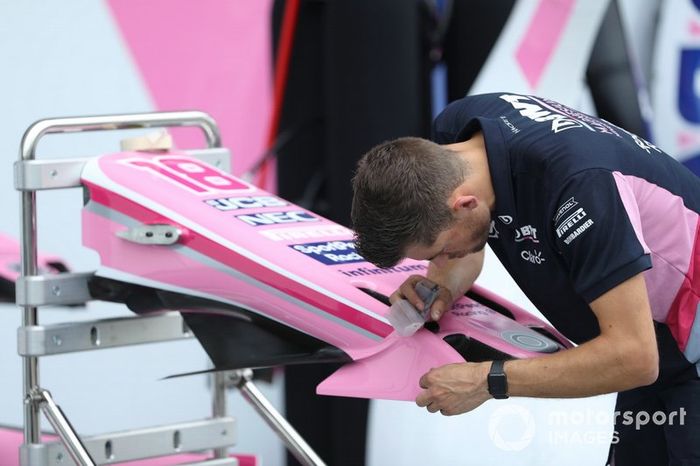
<point x="498" y="383"/>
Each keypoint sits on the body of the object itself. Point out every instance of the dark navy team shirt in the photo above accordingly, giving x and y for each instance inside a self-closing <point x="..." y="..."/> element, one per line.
<point x="581" y="206"/>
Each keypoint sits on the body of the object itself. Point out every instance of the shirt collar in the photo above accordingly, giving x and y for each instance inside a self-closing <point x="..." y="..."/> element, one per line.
<point x="499" y="167"/>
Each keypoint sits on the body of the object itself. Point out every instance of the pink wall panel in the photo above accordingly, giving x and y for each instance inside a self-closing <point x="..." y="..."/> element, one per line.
<point x="543" y="34"/>
<point x="212" y="55"/>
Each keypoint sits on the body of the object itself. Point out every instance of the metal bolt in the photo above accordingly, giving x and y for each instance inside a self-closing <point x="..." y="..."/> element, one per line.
<point x="53" y="173"/>
<point x="56" y="290"/>
<point x="57" y="340"/>
<point x="59" y="458"/>
<point x="224" y="432"/>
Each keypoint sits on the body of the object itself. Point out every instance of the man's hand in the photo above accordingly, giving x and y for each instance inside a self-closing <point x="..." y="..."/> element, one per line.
<point x="454" y="278"/>
<point x="407" y="290"/>
<point x="454" y="388"/>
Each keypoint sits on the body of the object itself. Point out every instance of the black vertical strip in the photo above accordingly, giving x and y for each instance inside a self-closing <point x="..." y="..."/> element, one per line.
<point x="335" y="427"/>
<point x="474" y="27"/>
<point x="301" y="139"/>
<point x="611" y="77"/>
<point x="376" y="85"/>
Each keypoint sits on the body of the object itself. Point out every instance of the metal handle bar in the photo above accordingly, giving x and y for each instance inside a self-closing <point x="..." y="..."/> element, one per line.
<point x="115" y="122"/>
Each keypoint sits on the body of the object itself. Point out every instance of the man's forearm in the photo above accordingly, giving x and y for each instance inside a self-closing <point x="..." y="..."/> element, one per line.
<point x="596" y="367"/>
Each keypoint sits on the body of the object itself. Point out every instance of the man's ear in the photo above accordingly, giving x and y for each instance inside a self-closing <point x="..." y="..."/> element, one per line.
<point x="463" y="205"/>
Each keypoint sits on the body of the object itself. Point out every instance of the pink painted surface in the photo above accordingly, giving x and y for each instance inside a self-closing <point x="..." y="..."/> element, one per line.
<point x="393" y="373"/>
<point x="647" y="205"/>
<point x="10" y="259"/>
<point x="259" y="272"/>
<point x="191" y="206"/>
<point x="542" y="37"/>
<point x="521" y="315"/>
<point x="686" y="139"/>
<point x="213" y="56"/>
<point x="178" y="270"/>
<point x="683" y="311"/>
<point x="694" y="28"/>
<point x="307" y="282"/>
<point x="11" y="439"/>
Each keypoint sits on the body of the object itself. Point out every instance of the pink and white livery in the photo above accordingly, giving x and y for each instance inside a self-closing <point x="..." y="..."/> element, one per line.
<point x="263" y="282"/>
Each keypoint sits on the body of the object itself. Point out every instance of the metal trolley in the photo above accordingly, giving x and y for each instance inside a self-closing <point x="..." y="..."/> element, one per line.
<point x="34" y="290"/>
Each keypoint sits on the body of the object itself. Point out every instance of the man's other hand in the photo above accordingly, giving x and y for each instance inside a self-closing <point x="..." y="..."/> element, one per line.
<point x="407" y="290"/>
<point x="454" y="388"/>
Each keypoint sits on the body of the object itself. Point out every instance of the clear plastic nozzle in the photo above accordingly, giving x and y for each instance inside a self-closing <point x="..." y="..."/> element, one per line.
<point x="405" y="318"/>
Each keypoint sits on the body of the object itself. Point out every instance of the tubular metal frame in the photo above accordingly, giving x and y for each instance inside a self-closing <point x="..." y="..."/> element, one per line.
<point x="37" y="398"/>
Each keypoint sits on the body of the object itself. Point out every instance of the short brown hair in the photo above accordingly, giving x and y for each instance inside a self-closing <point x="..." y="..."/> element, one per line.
<point x="401" y="189"/>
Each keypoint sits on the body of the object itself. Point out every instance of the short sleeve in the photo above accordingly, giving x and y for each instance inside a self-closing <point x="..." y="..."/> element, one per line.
<point x="597" y="231"/>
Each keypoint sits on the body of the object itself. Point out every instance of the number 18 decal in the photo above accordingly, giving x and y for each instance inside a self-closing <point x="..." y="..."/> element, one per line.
<point x="190" y="174"/>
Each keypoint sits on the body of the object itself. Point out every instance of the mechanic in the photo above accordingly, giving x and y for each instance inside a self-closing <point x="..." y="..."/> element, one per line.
<point x="596" y="225"/>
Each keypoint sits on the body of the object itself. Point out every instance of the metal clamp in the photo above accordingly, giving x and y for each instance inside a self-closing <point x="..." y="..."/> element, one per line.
<point x="152" y="442"/>
<point x="35" y="175"/>
<point x="218" y="157"/>
<point x="55" y="289"/>
<point x="32" y="175"/>
<point x="155" y="234"/>
<point x="44" y="340"/>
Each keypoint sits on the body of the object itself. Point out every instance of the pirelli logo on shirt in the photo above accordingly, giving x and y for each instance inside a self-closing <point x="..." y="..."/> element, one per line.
<point x="573" y="225"/>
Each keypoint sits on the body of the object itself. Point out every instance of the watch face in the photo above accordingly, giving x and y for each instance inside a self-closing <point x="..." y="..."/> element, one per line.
<point x="497" y="381"/>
